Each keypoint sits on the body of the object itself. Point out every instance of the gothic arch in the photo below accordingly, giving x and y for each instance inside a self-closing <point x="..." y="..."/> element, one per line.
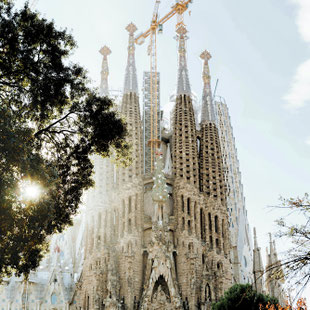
<point x="160" y="287"/>
<point x="219" y="266"/>
<point x="208" y="293"/>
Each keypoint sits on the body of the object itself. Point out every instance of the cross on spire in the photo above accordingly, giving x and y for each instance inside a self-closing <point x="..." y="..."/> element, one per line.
<point x="131" y="28"/>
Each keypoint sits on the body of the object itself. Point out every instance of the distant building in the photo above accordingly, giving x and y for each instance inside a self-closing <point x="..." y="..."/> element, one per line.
<point x="53" y="284"/>
<point x="241" y="238"/>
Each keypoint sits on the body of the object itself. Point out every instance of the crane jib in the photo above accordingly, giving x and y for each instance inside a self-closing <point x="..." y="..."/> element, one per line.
<point x="179" y="8"/>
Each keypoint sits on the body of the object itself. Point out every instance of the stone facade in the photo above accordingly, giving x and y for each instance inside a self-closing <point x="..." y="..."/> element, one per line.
<point x="165" y="239"/>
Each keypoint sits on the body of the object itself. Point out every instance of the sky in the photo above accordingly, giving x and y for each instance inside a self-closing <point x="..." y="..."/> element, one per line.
<point x="261" y="56"/>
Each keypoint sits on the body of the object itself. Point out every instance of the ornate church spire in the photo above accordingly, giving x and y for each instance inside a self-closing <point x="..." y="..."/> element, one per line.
<point x="183" y="87"/>
<point x="207" y="110"/>
<point x="258" y="268"/>
<point x="131" y="84"/>
<point x="104" y="85"/>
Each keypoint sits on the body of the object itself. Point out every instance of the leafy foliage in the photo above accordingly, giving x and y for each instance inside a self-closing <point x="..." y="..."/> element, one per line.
<point x="296" y="263"/>
<point x="242" y="296"/>
<point x="50" y="123"/>
<point x="300" y="305"/>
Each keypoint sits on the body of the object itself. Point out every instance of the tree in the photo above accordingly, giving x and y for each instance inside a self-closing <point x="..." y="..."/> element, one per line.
<point x="296" y="263"/>
<point x="242" y="296"/>
<point x="300" y="305"/>
<point x="51" y="121"/>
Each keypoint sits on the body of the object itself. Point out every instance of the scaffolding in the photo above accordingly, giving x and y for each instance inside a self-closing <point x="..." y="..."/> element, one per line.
<point x="148" y="119"/>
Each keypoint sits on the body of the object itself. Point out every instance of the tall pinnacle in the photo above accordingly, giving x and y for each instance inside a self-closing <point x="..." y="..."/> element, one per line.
<point x="207" y="110"/>
<point x="183" y="87"/>
<point x="255" y="239"/>
<point x="104" y="86"/>
<point x="131" y="84"/>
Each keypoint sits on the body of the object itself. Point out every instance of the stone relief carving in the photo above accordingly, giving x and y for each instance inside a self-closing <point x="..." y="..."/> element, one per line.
<point x="161" y="288"/>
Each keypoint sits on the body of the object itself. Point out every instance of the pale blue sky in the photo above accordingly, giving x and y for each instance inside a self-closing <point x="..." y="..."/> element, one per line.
<point x="257" y="47"/>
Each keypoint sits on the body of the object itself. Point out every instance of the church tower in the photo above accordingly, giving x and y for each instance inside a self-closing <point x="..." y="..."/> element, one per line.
<point x="186" y="182"/>
<point x="91" y="291"/>
<point x="258" y="268"/>
<point x="274" y="272"/>
<point x="213" y="212"/>
<point x="163" y="241"/>
<point x="128" y="198"/>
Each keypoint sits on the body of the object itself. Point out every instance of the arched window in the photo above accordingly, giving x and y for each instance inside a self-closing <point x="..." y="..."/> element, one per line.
<point x="189" y="228"/>
<point x="211" y="242"/>
<point x="208" y="296"/>
<point x="216" y="224"/>
<point x="123" y="203"/>
<point x="202" y="226"/>
<point x="53" y="299"/>
<point x="136" y="202"/>
<point x="129" y="226"/>
<point x="210" y="222"/>
<point x="182" y="198"/>
<point x="188" y="206"/>
<point x="129" y="204"/>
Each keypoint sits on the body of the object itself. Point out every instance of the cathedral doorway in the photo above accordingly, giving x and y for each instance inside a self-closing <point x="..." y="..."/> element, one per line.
<point x="161" y="294"/>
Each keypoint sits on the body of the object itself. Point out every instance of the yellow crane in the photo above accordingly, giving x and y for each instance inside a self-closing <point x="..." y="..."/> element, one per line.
<point x="157" y="24"/>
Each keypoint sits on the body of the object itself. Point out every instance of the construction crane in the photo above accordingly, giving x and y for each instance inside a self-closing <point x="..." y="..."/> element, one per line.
<point x="157" y="25"/>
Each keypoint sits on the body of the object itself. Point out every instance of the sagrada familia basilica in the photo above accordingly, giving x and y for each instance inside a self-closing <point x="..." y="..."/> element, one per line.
<point x="171" y="233"/>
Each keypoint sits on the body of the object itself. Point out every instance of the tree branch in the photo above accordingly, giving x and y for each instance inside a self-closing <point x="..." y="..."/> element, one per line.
<point x="53" y="124"/>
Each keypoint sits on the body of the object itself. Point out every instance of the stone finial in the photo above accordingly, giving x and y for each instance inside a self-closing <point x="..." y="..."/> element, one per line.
<point x="131" y="28"/>
<point x="205" y="55"/>
<point x="181" y="30"/>
<point x="255" y="238"/>
<point x="183" y="85"/>
<point x="105" y="51"/>
<point x="207" y="108"/>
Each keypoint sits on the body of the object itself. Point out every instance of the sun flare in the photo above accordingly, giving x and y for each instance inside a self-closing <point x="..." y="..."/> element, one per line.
<point x="30" y="190"/>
